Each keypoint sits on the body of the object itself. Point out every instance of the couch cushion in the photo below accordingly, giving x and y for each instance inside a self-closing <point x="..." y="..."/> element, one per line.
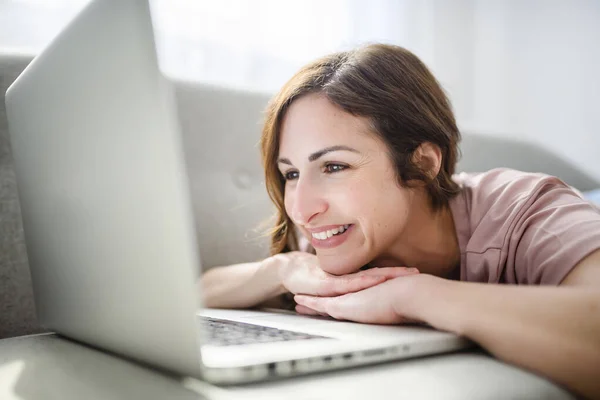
<point x="593" y="196"/>
<point x="221" y="131"/>
<point x="482" y="152"/>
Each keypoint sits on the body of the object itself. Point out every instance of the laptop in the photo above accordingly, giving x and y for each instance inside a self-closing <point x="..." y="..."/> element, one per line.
<point x="109" y="226"/>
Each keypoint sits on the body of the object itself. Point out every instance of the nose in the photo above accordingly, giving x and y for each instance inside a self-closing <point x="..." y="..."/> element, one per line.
<point x="305" y="202"/>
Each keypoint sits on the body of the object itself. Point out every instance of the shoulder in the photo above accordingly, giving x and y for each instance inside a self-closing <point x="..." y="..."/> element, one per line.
<point x="534" y="225"/>
<point x="508" y="183"/>
<point x="493" y="205"/>
<point x="508" y="192"/>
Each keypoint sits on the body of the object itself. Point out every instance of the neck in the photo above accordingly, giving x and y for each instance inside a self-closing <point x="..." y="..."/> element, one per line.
<point x="428" y="243"/>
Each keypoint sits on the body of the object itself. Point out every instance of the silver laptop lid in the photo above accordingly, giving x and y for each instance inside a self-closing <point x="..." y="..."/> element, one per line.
<point x="104" y="192"/>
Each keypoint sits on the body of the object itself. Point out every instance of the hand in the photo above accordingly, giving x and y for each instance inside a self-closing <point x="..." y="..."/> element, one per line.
<point x="380" y="304"/>
<point x="299" y="273"/>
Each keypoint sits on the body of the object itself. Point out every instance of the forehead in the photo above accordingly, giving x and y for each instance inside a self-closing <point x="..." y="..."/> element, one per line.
<point x="312" y="120"/>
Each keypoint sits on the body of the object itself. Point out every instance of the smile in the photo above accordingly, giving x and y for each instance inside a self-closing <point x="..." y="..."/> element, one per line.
<point x="332" y="237"/>
<point x="332" y="232"/>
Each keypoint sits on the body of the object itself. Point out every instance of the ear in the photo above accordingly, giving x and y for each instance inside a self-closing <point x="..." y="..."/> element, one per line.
<point x="428" y="157"/>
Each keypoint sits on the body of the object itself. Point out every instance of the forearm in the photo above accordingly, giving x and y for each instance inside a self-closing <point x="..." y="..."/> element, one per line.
<point x="240" y="286"/>
<point x="554" y="331"/>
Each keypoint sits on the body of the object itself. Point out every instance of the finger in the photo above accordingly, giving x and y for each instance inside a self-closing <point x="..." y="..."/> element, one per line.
<point x="309" y="311"/>
<point x="317" y="304"/>
<point x="390" y="272"/>
<point x="300" y="309"/>
<point x="336" y="285"/>
<point x="346" y="308"/>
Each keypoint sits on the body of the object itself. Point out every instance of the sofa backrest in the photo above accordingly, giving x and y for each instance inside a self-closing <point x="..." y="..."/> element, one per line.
<point x="221" y="131"/>
<point x="483" y="152"/>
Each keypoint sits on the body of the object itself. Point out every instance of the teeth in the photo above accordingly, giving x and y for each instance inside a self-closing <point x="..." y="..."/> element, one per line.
<point x="327" y="234"/>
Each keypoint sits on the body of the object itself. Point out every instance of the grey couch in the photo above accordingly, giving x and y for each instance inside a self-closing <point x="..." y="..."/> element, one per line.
<point x="220" y="131"/>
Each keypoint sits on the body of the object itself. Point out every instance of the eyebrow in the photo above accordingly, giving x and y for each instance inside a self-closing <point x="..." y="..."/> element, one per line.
<point x="318" y="154"/>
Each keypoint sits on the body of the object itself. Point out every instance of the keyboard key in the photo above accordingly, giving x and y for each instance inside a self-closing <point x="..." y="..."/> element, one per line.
<point x="223" y="332"/>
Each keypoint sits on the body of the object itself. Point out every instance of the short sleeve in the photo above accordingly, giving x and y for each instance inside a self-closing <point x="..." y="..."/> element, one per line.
<point x="555" y="232"/>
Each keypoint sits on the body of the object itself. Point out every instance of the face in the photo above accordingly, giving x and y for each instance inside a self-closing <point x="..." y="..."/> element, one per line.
<point x="341" y="189"/>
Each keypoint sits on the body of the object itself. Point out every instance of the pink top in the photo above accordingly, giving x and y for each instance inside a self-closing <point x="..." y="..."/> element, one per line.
<point x="521" y="228"/>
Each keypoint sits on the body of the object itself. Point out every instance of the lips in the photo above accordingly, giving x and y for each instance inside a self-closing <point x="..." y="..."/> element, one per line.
<point x="325" y="234"/>
<point x="327" y="239"/>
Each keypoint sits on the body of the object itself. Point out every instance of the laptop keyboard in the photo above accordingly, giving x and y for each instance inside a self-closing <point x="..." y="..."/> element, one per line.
<point x="223" y="332"/>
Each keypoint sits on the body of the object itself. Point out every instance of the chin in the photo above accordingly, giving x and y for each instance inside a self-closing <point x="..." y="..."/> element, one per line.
<point x="338" y="266"/>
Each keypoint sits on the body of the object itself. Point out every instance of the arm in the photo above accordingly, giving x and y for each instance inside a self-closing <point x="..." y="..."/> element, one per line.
<point x="554" y="331"/>
<point x="268" y="283"/>
<point x="242" y="286"/>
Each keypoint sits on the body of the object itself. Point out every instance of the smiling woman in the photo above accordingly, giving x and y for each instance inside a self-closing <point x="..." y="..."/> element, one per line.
<point x="349" y="108"/>
<point x="359" y="150"/>
<point x="356" y="185"/>
<point x="346" y="186"/>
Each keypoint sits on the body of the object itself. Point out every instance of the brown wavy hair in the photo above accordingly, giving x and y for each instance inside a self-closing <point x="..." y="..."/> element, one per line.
<point x="404" y="103"/>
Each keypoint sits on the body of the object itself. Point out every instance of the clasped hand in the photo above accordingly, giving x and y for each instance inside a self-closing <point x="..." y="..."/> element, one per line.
<point x="369" y="296"/>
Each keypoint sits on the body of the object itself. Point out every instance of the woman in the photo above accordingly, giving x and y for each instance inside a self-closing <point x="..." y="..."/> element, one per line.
<point x="359" y="151"/>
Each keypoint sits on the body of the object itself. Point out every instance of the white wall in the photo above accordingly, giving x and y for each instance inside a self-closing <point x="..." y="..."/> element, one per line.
<point x="522" y="68"/>
<point x="528" y="69"/>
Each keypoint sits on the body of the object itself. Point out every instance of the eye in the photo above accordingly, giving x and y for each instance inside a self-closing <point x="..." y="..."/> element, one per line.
<point x="333" y="168"/>
<point x="290" y="175"/>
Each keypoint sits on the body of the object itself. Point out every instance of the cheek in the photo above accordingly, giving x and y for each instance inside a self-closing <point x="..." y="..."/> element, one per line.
<point x="359" y="199"/>
<point x="288" y="202"/>
<point x="380" y="209"/>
